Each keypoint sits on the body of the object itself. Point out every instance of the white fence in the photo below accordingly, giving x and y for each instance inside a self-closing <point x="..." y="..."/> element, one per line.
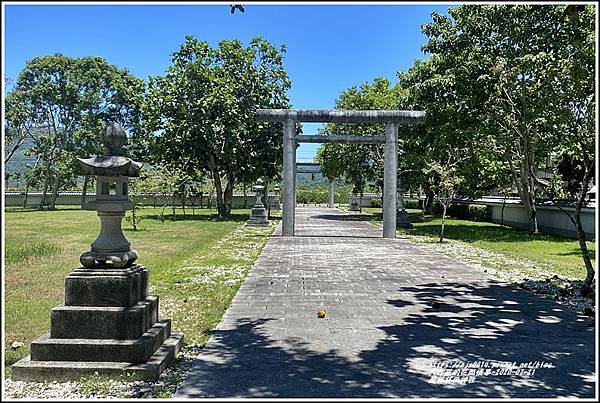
<point x="153" y="200"/>
<point x="550" y="219"/>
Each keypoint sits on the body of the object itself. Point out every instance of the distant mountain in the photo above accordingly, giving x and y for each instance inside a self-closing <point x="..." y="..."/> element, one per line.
<point x="19" y="160"/>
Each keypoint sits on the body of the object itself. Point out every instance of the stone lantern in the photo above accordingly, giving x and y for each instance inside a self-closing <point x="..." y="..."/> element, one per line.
<point x="259" y="214"/>
<point x="354" y="202"/>
<point x="112" y="169"/>
<point x="108" y="324"/>
<point x="402" y="219"/>
<point x="275" y="204"/>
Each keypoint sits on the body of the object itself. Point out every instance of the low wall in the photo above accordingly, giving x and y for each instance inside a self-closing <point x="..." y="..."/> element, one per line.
<point x="154" y="200"/>
<point x="550" y="219"/>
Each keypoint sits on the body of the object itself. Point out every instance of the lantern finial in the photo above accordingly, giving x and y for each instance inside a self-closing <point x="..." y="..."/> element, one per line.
<point x="114" y="139"/>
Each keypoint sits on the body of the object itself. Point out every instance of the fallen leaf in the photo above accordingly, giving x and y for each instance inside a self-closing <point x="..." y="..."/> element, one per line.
<point x="16" y="344"/>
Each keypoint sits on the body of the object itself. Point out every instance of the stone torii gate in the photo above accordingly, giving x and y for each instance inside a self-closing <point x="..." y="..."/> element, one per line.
<point x="392" y="119"/>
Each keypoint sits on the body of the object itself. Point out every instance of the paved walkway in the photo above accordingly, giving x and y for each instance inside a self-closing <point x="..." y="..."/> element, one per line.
<point x="383" y="333"/>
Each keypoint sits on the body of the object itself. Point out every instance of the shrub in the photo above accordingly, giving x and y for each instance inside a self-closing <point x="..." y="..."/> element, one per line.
<point x="311" y="195"/>
<point x="480" y="213"/>
<point x="377" y="202"/>
<point x="460" y="211"/>
<point x="412" y="203"/>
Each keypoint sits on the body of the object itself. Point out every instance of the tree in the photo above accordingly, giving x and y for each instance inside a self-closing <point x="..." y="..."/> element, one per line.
<point x="359" y="164"/>
<point x="63" y="103"/>
<point x="202" y="112"/>
<point x="14" y="138"/>
<point x="574" y="47"/>
<point x="444" y="180"/>
<point x="519" y="80"/>
<point x="432" y="86"/>
<point x="501" y="58"/>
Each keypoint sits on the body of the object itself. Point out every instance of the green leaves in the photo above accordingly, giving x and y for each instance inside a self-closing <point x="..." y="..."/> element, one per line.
<point x="359" y="164"/>
<point x="63" y="103"/>
<point x="204" y="106"/>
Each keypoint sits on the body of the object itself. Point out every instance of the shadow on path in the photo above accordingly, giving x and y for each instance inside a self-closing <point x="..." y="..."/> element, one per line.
<point x="484" y="322"/>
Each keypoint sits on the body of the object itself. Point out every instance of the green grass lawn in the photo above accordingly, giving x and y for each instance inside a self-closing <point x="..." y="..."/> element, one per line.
<point x="196" y="265"/>
<point x="552" y="253"/>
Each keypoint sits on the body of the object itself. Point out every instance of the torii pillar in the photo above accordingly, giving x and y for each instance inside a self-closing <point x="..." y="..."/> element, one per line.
<point x="289" y="176"/>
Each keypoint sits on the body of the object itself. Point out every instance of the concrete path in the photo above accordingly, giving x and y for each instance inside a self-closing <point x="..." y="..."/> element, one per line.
<point x="384" y="334"/>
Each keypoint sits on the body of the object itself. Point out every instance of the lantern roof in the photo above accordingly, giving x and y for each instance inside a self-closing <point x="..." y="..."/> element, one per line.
<point x="113" y="162"/>
<point x="110" y="165"/>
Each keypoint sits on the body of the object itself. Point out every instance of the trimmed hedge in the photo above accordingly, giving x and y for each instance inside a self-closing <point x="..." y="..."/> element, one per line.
<point x="478" y="212"/>
<point x="412" y="203"/>
<point x="306" y="195"/>
<point x="473" y="212"/>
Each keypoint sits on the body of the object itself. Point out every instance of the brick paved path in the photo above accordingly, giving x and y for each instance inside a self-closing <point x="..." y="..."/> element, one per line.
<point x="382" y="334"/>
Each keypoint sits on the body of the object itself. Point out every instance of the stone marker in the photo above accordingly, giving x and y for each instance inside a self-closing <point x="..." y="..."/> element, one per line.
<point x="259" y="213"/>
<point x="108" y="323"/>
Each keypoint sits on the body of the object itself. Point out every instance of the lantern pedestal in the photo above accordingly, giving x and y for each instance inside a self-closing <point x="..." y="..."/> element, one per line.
<point x="109" y="325"/>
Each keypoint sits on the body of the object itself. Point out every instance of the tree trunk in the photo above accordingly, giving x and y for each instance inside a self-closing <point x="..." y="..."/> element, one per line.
<point x="585" y="254"/>
<point x="46" y="183"/>
<point x="84" y="193"/>
<point x="55" y="188"/>
<point x="173" y="203"/>
<point x="502" y="211"/>
<point x="576" y="220"/>
<point x="219" y="190"/>
<point x="228" y="195"/>
<point x="428" y="202"/>
<point x="360" y="201"/>
<point x="245" y="196"/>
<point x="443" y="222"/>
<point x="264" y="198"/>
<point x="523" y="183"/>
<point x="28" y="183"/>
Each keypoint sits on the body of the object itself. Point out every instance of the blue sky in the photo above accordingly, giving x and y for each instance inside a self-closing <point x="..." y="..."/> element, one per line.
<point x="329" y="47"/>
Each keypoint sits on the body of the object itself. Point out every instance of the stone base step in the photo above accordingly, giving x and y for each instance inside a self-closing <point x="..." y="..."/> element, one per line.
<point x="63" y="371"/>
<point x="103" y="322"/>
<point x="139" y="350"/>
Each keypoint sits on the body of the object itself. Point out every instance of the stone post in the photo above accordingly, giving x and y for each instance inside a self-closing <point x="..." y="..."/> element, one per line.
<point x="289" y="177"/>
<point x="389" y="180"/>
<point x="331" y="195"/>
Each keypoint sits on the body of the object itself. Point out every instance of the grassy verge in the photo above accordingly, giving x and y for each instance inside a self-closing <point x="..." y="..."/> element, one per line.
<point x="196" y="264"/>
<point x="509" y="250"/>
